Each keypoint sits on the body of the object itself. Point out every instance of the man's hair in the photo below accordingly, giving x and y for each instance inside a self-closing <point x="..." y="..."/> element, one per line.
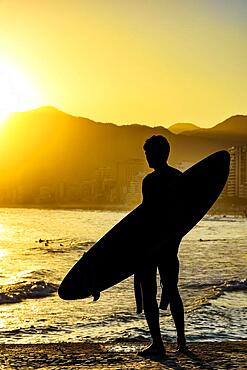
<point x="158" y="144"/>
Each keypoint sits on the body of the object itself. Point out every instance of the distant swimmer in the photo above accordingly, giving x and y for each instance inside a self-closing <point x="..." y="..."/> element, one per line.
<point x="157" y="151"/>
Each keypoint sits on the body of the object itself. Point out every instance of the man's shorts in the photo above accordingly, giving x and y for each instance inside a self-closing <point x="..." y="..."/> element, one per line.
<point x="145" y="280"/>
<point x="169" y="274"/>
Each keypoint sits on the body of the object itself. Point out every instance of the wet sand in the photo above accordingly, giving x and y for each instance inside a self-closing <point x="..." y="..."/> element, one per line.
<point x="122" y="355"/>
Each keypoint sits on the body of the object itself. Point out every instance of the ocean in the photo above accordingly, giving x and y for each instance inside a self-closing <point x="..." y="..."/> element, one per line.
<point x="38" y="247"/>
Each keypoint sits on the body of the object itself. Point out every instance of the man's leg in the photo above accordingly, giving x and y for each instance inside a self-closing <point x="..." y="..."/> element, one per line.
<point x="151" y="310"/>
<point x="177" y="311"/>
<point x="169" y="272"/>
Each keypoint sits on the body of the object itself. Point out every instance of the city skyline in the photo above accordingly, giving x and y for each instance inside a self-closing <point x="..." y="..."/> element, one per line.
<point x="154" y="63"/>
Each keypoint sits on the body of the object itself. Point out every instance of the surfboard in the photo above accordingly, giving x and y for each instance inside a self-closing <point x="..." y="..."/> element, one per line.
<point x="140" y="234"/>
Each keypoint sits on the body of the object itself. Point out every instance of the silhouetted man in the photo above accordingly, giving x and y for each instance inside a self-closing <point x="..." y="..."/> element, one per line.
<point x="154" y="184"/>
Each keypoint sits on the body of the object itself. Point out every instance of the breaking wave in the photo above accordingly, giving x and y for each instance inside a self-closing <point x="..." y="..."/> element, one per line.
<point x="212" y="291"/>
<point x="16" y="293"/>
<point x="231" y="285"/>
<point x="234" y="285"/>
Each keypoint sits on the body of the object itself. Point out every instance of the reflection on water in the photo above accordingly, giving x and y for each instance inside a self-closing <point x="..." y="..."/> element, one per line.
<point x="38" y="247"/>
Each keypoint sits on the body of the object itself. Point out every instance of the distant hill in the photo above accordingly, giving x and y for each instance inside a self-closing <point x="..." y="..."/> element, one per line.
<point x="46" y="146"/>
<point x="232" y="130"/>
<point x="233" y="125"/>
<point x="179" y="128"/>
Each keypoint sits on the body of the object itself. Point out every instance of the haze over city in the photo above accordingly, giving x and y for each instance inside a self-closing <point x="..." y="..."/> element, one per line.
<point x="149" y="62"/>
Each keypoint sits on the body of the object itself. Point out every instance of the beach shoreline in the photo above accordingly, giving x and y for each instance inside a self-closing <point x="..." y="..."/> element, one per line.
<point x="233" y="212"/>
<point x="122" y="355"/>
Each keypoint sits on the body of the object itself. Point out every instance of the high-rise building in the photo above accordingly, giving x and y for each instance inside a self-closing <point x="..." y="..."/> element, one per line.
<point x="237" y="181"/>
<point x="129" y="178"/>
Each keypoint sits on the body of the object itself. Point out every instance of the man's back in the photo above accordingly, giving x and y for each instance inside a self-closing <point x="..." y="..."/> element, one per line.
<point x="155" y="185"/>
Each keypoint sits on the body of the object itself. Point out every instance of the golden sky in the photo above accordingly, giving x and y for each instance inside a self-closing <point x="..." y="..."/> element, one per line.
<point x="155" y="62"/>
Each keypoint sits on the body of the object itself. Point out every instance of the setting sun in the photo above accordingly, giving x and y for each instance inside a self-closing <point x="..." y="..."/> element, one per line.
<point x="16" y="91"/>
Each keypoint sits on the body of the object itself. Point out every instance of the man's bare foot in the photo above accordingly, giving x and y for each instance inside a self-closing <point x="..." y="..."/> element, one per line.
<point x="154" y="349"/>
<point x="181" y="345"/>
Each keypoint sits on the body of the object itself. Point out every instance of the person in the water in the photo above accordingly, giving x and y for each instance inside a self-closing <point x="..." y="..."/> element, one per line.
<point x="157" y="150"/>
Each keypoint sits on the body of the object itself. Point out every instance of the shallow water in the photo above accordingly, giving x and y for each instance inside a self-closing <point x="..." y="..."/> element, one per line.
<point x="213" y="260"/>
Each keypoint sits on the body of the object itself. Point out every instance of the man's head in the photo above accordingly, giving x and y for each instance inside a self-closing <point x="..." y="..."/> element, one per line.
<point x="157" y="150"/>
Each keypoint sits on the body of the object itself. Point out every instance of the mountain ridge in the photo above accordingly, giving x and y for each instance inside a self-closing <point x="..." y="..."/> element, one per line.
<point x="239" y="119"/>
<point x="178" y="128"/>
<point x="234" y="127"/>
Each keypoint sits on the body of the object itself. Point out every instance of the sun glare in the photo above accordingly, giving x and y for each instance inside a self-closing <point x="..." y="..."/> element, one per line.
<point x="16" y="91"/>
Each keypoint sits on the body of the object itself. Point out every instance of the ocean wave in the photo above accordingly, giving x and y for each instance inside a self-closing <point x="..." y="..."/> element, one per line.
<point x="215" y="240"/>
<point x="38" y="275"/>
<point x="207" y="292"/>
<point x="16" y="293"/>
<point x="226" y="218"/>
<point x="230" y="285"/>
<point x="30" y="330"/>
<point x="234" y="285"/>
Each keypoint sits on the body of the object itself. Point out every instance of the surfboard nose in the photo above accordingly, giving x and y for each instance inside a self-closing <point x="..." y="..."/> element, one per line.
<point x="65" y="294"/>
<point x="68" y="289"/>
<point x="75" y="287"/>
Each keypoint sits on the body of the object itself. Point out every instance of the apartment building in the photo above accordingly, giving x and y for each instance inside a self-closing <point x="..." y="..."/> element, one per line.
<point x="237" y="181"/>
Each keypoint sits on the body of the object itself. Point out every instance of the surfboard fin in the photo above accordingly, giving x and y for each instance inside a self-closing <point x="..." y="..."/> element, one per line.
<point x="96" y="296"/>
